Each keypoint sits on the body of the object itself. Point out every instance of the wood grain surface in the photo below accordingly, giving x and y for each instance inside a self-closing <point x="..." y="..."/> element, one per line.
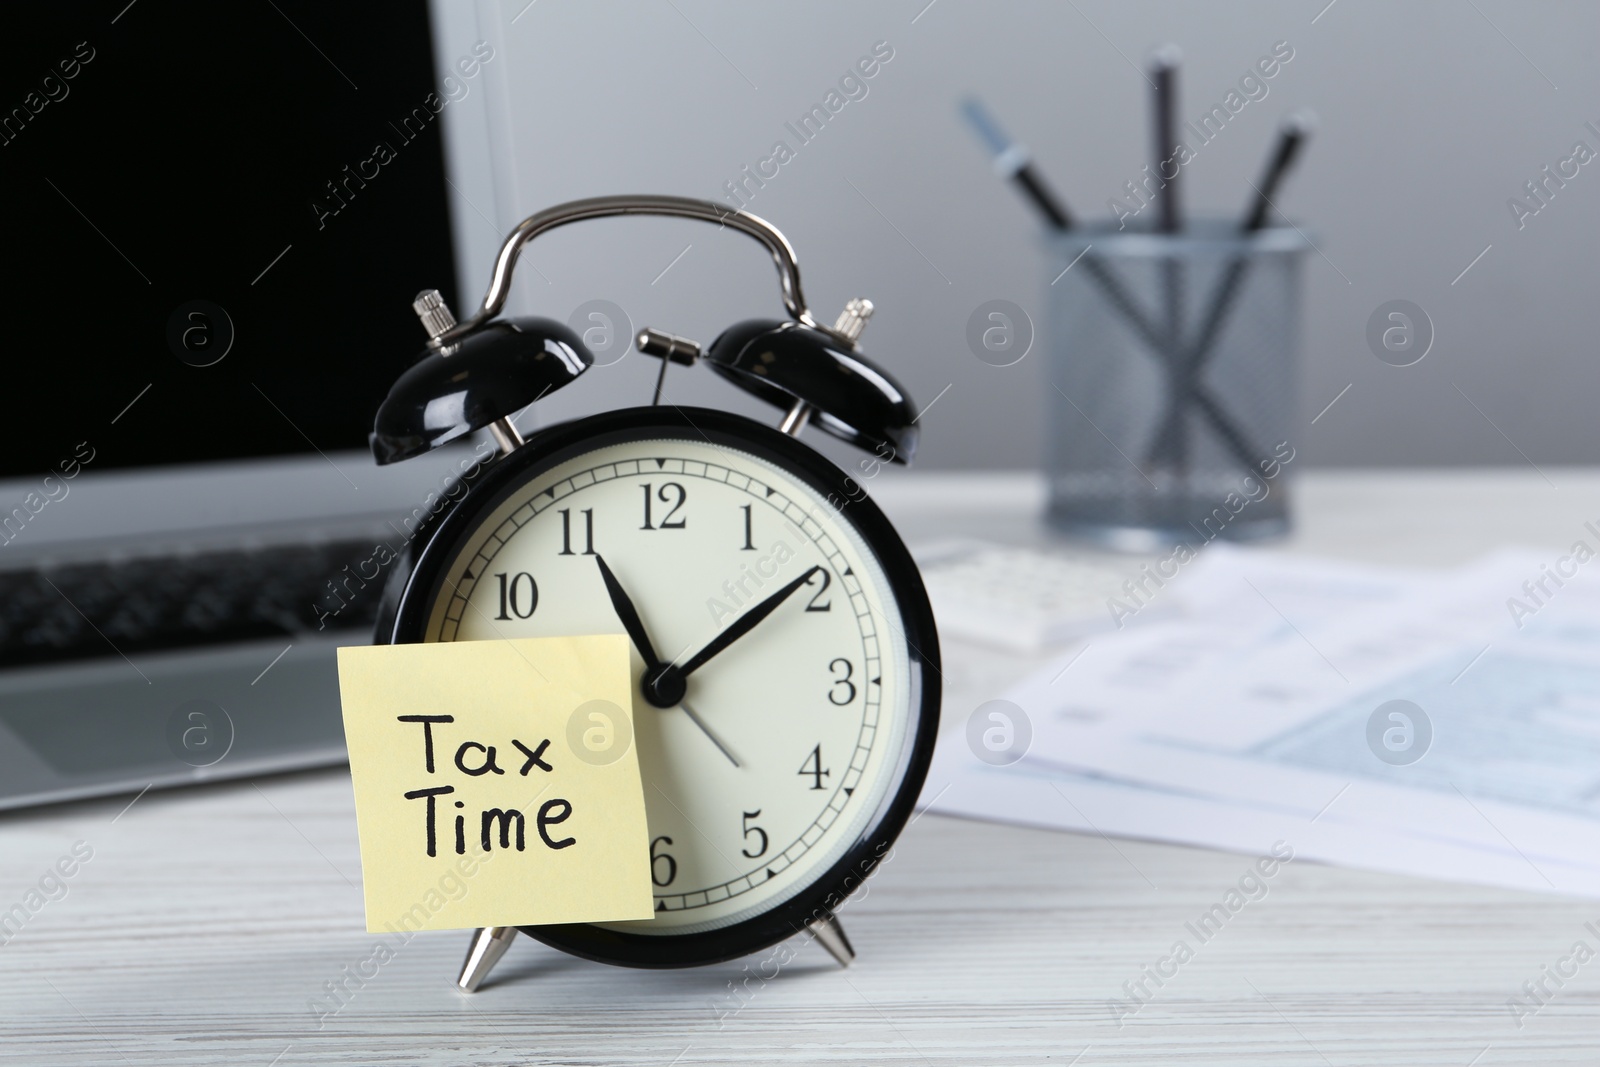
<point x="208" y="920"/>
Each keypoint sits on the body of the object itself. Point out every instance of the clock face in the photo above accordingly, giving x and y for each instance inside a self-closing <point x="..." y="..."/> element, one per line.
<point x="771" y="759"/>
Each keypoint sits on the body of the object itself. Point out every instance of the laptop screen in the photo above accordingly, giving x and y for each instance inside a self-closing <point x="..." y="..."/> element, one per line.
<point x="216" y="217"/>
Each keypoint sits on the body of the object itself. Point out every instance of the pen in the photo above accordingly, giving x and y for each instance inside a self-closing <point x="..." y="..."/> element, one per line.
<point x="1292" y="135"/>
<point x="1173" y="445"/>
<point x="1164" y="121"/>
<point x="1012" y="160"/>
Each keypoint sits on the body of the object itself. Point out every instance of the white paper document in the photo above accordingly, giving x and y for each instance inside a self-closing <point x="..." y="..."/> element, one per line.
<point x="1443" y="725"/>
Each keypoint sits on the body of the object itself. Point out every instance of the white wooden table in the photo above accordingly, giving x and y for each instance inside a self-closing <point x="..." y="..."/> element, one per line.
<point x="208" y="919"/>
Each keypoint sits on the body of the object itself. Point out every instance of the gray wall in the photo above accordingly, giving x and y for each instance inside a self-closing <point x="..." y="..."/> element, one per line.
<point x="1431" y="116"/>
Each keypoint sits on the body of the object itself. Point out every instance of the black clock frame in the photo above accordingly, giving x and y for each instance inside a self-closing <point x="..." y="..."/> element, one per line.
<point x="410" y="594"/>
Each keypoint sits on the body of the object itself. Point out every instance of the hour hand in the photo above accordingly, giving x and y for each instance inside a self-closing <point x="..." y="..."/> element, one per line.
<point x="628" y="614"/>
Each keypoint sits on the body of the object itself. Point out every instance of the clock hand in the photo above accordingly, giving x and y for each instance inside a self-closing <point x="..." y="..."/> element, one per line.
<point x="629" y="616"/>
<point x="743" y="625"/>
<point x="653" y="667"/>
<point x="715" y="740"/>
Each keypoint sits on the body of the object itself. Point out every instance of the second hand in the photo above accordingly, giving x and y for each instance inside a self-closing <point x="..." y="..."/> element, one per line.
<point x="715" y="740"/>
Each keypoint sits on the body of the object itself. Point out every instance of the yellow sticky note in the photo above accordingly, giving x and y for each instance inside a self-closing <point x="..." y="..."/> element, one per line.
<point x="496" y="782"/>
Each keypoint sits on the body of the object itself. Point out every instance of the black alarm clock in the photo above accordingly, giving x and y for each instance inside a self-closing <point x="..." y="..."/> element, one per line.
<point x="788" y="690"/>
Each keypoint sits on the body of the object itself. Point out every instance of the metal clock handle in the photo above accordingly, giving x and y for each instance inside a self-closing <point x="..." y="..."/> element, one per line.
<point x="599" y="207"/>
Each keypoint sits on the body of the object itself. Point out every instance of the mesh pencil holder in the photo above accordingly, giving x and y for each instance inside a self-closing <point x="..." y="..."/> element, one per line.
<point x="1174" y="374"/>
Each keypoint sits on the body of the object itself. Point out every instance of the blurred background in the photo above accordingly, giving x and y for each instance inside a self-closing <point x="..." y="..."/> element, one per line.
<point x="1431" y="116"/>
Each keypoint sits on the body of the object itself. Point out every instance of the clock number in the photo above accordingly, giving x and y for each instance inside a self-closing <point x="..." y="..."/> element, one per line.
<point x="667" y="522"/>
<point x="749" y="546"/>
<point x="657" y="857"/>
<point x="566" y="533"/>
<point x="844" y="680"/>
<point x="512" y="596"/>
<point x="827" y="580"/>
<point x="761" y="850"/>
<point x="813" y="768"/>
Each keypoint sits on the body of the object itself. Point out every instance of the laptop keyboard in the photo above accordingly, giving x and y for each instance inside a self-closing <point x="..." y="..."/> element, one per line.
<point x="84" y="610"/>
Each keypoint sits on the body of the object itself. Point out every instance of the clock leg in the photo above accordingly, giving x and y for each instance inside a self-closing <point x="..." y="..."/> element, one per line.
<point x="830" y="934"/>
<point x="488" y="945"/>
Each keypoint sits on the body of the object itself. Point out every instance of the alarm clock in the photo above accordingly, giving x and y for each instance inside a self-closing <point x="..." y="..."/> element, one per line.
<point x="787" y="691"/>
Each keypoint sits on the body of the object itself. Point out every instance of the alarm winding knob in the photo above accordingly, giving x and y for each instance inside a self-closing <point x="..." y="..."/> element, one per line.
<point x="434" y="312"/>
<point x="853" y="319"/>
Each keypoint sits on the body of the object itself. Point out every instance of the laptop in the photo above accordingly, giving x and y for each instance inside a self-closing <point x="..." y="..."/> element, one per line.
<point x="217" y="217"/>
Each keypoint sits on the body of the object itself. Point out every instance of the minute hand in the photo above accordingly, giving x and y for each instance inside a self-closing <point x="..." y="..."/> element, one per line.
<point x="744" y="624"/>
